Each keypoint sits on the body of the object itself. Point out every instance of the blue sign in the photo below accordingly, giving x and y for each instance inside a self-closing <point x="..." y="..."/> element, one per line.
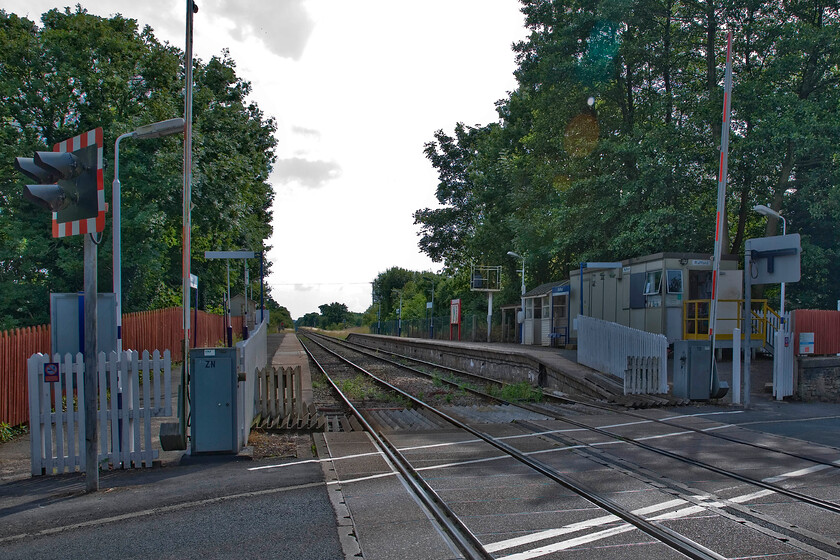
<point x="560" y="290"/>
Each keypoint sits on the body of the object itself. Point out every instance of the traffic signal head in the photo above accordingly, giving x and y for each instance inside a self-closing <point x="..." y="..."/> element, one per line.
<point x="68" y="183"/>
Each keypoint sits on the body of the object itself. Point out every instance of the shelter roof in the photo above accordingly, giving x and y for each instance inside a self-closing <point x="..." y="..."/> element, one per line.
<point x="544" y="289"/>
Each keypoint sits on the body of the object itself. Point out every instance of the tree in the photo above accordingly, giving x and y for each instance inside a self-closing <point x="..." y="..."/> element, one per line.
<point x="608" y="148"/>
<point x="334" y="314"/>
<point x="78" y="72"/>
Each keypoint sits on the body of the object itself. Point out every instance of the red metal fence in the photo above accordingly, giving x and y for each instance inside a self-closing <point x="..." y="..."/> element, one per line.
<point x="824" y="324"/>
<point x="160" y="329"/>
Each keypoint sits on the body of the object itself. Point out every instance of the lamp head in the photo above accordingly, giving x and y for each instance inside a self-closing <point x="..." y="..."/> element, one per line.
<point x="162" y="128"/>
<point x="766" y="211"/>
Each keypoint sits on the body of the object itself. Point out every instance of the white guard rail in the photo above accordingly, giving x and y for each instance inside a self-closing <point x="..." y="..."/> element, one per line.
<point x="251" y="356"/>
<point x="605" y="346"/>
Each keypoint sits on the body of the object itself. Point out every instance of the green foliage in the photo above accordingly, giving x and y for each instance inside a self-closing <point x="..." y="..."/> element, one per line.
<point x="359" y="388"/>
<point x="609" y="147"/>
<point x="8" y="433"/>
<point x="77" y="72"/>
<point x="513" y="392"/>
<point x="280" y="318"/>
<point x="334" y="313"/>
<point x="334" y="316"/>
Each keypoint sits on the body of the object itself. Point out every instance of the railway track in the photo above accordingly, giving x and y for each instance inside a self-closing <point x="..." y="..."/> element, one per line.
<point x="540" y="438"/>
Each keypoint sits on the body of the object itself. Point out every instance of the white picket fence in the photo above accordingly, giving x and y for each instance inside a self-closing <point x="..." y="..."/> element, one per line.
<point x="605" y="346"/>
<point x="56" y="410"/>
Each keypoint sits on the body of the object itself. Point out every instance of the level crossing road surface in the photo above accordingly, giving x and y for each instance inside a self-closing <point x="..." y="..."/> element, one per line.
<point x="519" y="515"/>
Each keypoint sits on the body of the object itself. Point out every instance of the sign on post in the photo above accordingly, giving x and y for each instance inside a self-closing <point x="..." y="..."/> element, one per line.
<point x="455" y="317"/>
<point x="774" y="260"/>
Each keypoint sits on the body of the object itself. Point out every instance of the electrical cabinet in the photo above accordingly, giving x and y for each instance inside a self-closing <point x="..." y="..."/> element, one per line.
<point x="692" y="369"/>
<point x="213" y="391"/>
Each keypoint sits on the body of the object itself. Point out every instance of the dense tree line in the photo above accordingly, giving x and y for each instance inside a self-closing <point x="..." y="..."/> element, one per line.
<point x="77" y="72"/>
<point x="332" y="316"/>
<point x="398" y="291"/>
<point x="608" y="148"/>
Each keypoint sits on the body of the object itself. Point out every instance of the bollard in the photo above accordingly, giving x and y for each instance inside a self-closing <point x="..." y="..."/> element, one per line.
<point x="736" y="366"/>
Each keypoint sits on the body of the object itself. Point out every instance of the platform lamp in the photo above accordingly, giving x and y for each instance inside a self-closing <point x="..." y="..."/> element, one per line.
<point x="155" y="130"/>
<point x="770" y="213"/>
<point x="522" y="299"/>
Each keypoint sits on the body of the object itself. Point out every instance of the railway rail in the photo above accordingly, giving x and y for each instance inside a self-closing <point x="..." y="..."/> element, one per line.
<point x="629" y="459"/>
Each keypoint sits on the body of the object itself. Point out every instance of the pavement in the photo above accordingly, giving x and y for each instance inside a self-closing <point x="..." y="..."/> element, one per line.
<point x="209" y="506"/>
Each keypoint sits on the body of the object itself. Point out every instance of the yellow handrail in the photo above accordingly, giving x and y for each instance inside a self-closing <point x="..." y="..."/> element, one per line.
<point x="696" y="319"/>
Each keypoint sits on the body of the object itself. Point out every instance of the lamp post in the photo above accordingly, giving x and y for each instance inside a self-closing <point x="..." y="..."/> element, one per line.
<point x="155" y="130"/>
<point x="770" y="213"/>
<point x="522" y="299"/>
<point x="432" y="313"/>
<point x="399" y="312"/>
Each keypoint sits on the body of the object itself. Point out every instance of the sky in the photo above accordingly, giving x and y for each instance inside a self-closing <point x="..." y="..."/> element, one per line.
<point x="357" y="87"/>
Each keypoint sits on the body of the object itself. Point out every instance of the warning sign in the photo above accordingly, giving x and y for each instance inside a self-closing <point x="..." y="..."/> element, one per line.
<point x="51" y="372"/>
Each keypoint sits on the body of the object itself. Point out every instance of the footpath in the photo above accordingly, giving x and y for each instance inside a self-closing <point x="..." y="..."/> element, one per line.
<point x="203" y="507"/>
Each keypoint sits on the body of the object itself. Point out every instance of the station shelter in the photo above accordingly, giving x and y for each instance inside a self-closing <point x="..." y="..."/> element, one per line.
<point x="240" y="306"/>
<point x="664" y="293"/>
<point x="546" y="321"/>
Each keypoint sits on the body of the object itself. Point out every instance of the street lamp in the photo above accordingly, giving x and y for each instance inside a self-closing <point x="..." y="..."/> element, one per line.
<point x="399" y="312"/>
<point x="155" y="130"/>
<point x="522" y="299"/>
<point x="770" y="213"/>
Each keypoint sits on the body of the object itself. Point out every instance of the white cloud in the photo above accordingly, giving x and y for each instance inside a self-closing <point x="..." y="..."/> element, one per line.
<point x="306" y="132"/>
<point x="312" y="174"/>
<point x="283" y="26"/>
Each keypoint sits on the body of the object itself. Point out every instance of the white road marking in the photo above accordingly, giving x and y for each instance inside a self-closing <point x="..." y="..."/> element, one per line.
<point x="678" y="514"/>
<point x="574" y="527"/>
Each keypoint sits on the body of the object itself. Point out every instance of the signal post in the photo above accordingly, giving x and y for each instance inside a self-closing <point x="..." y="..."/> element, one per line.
<point x="70" y="184"/>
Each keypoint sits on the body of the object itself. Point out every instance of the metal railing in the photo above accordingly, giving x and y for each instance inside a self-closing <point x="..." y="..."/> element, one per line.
<point x="764" y="320"/>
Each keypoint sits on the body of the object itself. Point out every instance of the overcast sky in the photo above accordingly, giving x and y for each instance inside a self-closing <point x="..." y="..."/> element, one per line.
<point x="357" y="87"/>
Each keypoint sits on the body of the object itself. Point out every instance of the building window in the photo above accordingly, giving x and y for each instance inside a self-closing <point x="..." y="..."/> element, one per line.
<point x="529" y="308"/>
<point x="546" y="307"/>
<point x="675" y="282"/>
<point x="559" y="308"/>
<point x="653" y="281"/>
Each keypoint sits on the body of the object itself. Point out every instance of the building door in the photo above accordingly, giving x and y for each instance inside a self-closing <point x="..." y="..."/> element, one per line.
<point x="560" y="319"/>
<point x="699" y="297"/>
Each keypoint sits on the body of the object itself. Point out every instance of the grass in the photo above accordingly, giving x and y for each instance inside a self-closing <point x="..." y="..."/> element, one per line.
<point x="8" y="433"/>
<point x="359" y="388"/>
<point x="522" y="391"/>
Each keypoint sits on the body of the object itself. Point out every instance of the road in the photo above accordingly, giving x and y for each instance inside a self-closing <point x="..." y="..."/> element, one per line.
<point x="208" y="508"/>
